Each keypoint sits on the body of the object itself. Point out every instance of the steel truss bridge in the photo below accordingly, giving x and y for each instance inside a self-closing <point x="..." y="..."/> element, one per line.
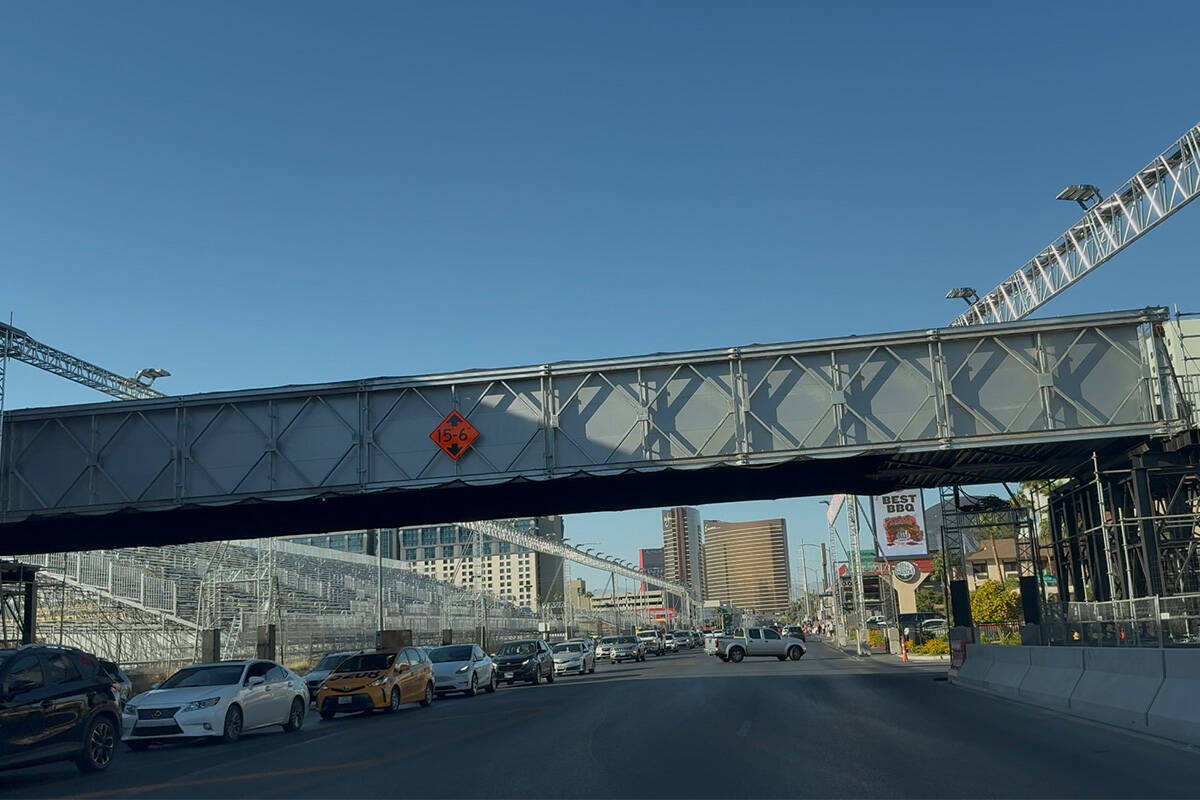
<point x="863" y="414"/>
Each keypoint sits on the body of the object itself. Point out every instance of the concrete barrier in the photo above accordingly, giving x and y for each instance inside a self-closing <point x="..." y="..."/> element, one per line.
<point x="1009" y="667"/>
<point x="976" y="666"/>
<point x="1118" y="685"/>
<point x="1175" y="712"/>
<point x="1053" y="673"/>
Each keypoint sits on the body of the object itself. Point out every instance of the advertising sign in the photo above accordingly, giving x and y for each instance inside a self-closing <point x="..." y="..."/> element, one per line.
<point x="900" y="524"/>
<point x="835" y="506"/>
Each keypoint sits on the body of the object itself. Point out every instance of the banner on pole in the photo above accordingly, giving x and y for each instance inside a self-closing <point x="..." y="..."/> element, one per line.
<point x="900" y="524"/>
<point x="835" y="505"/>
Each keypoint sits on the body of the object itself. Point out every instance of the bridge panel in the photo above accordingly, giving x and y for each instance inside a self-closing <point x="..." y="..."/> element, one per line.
<point x="920" y="405"/>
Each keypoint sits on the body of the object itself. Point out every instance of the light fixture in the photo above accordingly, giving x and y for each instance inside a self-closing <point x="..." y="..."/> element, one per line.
<point x="963" y="293"/>
<point x="150" y="373"/>
<point x="1081" y="193"/>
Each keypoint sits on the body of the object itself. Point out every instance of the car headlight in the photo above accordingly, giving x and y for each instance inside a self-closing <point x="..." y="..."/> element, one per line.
<point x="378" y="682"/>
<point x="527" y="662"/>
<point x="197" y="705"/>
<point x="130" y="709"/>
<point x="463" y="669"/>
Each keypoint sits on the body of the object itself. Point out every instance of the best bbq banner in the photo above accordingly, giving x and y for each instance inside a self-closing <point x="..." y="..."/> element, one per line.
<point x="900" y="524"/>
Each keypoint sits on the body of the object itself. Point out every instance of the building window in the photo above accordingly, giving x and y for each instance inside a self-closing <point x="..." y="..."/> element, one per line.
<point x="1010" y="566"/>
<point x="487" y="548"/>
<point x="428" y="536"/>
<point x="430" y="553"/>
<point x="979" y="569"/>
<point x="410" y="538"/>
<point x="504" y="547"/>
<point x="410" y="554"/>
<point x="448" y="552"/>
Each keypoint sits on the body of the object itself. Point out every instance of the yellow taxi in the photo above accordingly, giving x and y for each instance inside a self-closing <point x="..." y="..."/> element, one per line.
<point x="385" y="679"/>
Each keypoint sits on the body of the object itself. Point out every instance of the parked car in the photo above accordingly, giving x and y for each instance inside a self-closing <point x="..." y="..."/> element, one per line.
<point x="56" y="704"/>
<point x="384" y="679"/>
<point x="326" y="665"/>
<point x="525" y="660"/>
<point x="877" y="621"/>
<point x="221" y="699"/>
<point x="463" y="668"/>
<point x="573" y="657"/>
<point x="653" y="642"/>
<point x="759" y="642"/>
<point x="122" y="684"/>
<point x="671" y="644"/>
<point x="627" y="648"/>
<point x="697" y="638"/>
<point x="935" y="627"/>
<point x="683" y="639"/>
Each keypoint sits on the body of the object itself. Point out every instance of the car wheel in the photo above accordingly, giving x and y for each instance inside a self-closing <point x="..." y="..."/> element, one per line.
<point x="795" y="653"/>
<point x="593" y="668"/>
<point x="99" y="745"/>
<point x="138" y="747"/>
<point x="474" y="690"/>
<point x="537" y="677"/>
<point x="550" y="675"/>
<point x="492" y="684"/>
<point x="295" y="720"/>
<point x="736" y="654"/>
<point x="427" y="701"/>
<point x="394" y="701"/>
<point x="233" y="725"/>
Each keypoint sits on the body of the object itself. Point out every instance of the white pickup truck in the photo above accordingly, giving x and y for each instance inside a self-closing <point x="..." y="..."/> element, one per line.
<point x="758" y="642"/>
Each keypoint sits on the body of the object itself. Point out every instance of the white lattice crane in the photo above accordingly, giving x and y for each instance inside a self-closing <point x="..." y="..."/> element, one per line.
<point x="17" y="344"/>
<point x="1111" y="224"/>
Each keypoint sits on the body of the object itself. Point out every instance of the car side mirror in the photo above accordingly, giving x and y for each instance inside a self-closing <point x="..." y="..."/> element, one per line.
<point x="255" y="680"/>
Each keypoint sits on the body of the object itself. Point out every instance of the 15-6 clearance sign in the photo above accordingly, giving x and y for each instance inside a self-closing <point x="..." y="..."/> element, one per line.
<point x="900" y="524"/>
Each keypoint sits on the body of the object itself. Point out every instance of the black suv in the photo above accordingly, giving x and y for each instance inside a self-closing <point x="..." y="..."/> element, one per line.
<point x="524" y="660"/>
<point x="56" y="704"/>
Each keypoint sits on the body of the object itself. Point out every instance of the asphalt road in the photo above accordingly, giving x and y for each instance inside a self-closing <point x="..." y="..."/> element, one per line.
<point x="684" y="725"/>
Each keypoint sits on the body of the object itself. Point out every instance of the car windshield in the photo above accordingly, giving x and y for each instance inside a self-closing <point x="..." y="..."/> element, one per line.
<point x="568" y="648"/>
<point x="445" y="655"/>
<point x="367" y="662"/>
<point x="216" y="675"/>
<point x="626" y="640"/>
<point x="518" y="649"/>
<point x="331" y="661"/>
<point x="610" y="640"/>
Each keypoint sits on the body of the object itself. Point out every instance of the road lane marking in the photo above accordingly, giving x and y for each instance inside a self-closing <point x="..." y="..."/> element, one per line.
<point x="232" y="778"/>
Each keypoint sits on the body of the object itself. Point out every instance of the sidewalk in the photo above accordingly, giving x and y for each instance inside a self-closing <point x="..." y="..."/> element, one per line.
<point x="849" y="650"/>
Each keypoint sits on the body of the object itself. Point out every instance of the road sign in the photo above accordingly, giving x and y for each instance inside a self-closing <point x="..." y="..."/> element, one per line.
<point x="454" y="435"/>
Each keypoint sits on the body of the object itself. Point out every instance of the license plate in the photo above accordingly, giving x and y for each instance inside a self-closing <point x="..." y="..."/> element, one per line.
<point x="344" y="699"/>
<point x="508" y="675"/>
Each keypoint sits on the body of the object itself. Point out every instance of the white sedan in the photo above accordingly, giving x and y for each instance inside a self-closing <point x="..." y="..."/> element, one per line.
<point x="462" y="668"/>
<point x="222" y="699"/>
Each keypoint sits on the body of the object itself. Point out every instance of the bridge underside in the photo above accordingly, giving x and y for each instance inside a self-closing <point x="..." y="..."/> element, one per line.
<point x="863" y="474"/>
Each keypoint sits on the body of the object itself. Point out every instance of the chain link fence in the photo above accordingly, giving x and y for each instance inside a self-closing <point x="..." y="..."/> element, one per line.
<point x="1142" y="622"/>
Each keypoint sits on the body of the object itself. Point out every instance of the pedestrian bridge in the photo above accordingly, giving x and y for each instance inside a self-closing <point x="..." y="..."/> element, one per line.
<point x="861" y="414"/>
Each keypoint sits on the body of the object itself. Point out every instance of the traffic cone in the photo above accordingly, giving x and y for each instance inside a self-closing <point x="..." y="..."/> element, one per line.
<point x="903" y="650"/>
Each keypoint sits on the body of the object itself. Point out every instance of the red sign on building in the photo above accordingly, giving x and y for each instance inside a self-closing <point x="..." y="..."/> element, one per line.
<point x="454" y="435"/>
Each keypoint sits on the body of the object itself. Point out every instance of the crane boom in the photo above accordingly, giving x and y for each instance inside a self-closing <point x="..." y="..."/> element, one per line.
<point x="16" y="343"/>
<point x="1155" y="192"/>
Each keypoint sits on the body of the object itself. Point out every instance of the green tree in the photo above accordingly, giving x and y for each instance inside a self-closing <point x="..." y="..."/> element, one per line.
<point x="930" y="599"/>
<point x="993" y="602"/>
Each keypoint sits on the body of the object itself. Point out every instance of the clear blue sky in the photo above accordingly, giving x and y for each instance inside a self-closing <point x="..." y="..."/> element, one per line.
<point x="267" y="193"/>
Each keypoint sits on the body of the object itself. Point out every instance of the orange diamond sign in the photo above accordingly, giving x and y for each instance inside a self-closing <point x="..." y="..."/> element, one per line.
<point x="454" y="435"/>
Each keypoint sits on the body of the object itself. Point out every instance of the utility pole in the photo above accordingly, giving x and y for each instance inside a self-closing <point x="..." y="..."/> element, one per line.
<point x="804" y="572"/>
<point x="856" y="575"/>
